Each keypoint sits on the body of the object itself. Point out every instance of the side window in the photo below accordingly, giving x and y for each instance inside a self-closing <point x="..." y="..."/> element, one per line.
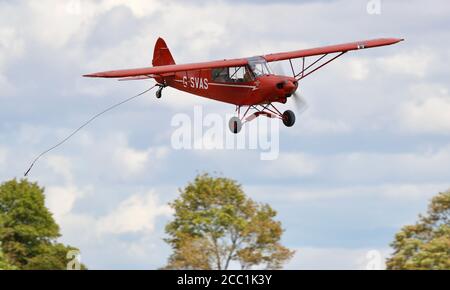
<point x="261" y="69"/>
<point x="220" y="75"/>
<point x="237" y="74"/>
<point x="232" y="75"/>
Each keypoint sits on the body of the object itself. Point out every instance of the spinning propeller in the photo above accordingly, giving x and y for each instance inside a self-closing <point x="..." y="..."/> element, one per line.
<point x="300" y="103"/>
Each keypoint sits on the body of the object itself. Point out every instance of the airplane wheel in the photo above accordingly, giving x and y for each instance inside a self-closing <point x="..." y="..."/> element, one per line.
<point x="235" y="125"/>
<point x="159" y="93"/>
<point x="288" y="118"/>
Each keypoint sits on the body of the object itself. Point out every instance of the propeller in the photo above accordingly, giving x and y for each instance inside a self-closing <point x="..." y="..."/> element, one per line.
<point x="300" y="103"/>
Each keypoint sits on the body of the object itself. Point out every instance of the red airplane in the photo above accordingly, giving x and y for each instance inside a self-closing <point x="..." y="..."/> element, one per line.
<point x="244" y="82"/>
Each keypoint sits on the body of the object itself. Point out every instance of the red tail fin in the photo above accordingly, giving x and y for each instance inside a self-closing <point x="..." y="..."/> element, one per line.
<point x="162" y="55"/>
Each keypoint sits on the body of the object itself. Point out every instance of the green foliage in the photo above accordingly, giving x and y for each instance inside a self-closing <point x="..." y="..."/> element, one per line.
<point x="4" y="263"/>
<point x="28" y="231"/>
<point x="425" y="245"/>
<point x="51" y="257"/>
<point x="215" y="223"/>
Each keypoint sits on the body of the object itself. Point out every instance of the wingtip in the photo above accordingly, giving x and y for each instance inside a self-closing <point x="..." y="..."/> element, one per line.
<point x="394" y="40"/>
<point x="90" y="76"/>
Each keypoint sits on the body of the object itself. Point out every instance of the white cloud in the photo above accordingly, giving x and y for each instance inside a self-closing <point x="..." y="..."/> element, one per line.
<point x="359" y="69"/>
<point x="416" y="63"/>
<point x="111" y="151"/>
<point x="72" y="224"/>
<point x="132" y="161"/>
<point x="137" y="214"/>
<point x="425" y="165"/>
<point x="61" y="166"/>
<point x="101" y="242"/>
<point x="429" y="164"/>
<point x="309" y="125"/>
<point x="412" y="192"/>
<point x="391" y="192"/>
<point x="428" y="110"/>
<point x="12" y="45"/>
<point x="140" y="8"/>
<point x="338" y="259"/>
<point x="432" y="115"/>
<point x="292" y="165"/>
<point x="61" y="200"/>
<point x="55" y="23"/>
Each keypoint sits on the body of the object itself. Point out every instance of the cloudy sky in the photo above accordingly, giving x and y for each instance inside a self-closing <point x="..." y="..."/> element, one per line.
<point x="364" y="159"/>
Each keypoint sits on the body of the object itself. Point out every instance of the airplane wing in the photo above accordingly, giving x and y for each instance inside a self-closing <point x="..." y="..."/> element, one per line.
<point x="325" y="55"/>
<point x="331" y="49"/>
<point x="166" y="70"/>
<point x="169" y="70"/>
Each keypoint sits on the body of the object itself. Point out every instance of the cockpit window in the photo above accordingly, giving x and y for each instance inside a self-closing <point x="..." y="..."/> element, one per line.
<point x="232" y="74"/>
<point x="220" y="75"/>
<point x="259" y="66"/>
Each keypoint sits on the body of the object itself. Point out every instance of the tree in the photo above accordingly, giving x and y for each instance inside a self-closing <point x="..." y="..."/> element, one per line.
<point x="51" y="258"/>
<point x="216" y="224"/>
<point x="4" y="263"/>
<point x="425" y="245"/>
<point x="28" y="231"/>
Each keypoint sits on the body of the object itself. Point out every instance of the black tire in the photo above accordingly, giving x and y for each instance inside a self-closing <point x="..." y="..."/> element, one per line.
<point x="235" y="125"/>
<point x="159" y="93"/>
<point x="288" y="118"/>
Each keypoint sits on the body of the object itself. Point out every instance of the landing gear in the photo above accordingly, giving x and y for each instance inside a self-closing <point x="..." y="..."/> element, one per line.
<point x="267" y="110"/>
<point x="288" y="118"/>
<point x="235" y="125"/>
<point x="159" y="91"/>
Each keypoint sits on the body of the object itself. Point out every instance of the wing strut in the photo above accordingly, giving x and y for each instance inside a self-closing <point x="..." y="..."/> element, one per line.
<point x="304" y="72"/>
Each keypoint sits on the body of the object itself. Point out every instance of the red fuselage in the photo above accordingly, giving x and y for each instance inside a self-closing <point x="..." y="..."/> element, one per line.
<point x="259" y="90"/>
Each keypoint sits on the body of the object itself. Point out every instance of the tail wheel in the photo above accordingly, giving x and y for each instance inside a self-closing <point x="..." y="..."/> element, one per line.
<point x="159" y="91"/>
<point x="288" y="118"/>
<point x="235" y="125"/>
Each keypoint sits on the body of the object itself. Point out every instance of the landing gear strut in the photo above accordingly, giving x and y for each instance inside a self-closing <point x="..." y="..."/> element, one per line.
<point x="159" y="91"/>
<point x="267" y="110"/>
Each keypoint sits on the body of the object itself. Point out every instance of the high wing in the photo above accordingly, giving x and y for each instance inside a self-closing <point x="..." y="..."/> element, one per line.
<point x="166" y="70"/>
<point x="326" y="55"/>
<point x="331" y="49"/>
<point x="169" y="70"/>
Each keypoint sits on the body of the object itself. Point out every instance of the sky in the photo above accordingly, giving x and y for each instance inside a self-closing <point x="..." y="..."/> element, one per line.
<point x="361" y="162"/>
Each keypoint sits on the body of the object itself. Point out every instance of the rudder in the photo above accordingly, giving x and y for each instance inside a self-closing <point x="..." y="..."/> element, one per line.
<point x="162" y="55"/>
